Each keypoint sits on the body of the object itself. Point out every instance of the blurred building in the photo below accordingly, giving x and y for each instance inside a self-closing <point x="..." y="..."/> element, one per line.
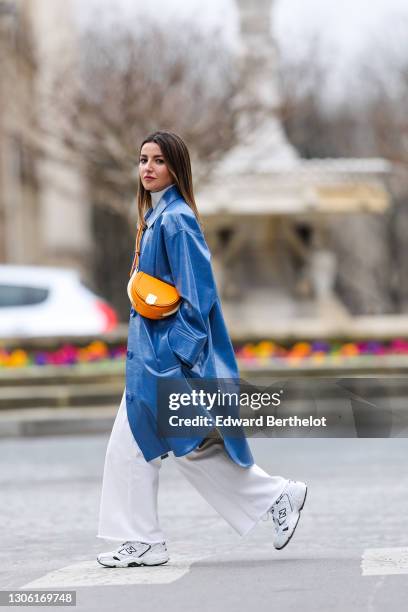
<point x="44" y="209"/>
<point x="12" y="124"/>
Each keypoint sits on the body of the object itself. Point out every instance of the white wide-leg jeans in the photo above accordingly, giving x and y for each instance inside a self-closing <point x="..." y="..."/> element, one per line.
<point x="128" y="507"/>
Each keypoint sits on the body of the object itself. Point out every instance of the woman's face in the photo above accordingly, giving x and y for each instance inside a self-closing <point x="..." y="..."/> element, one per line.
<point x="153" y="171"/>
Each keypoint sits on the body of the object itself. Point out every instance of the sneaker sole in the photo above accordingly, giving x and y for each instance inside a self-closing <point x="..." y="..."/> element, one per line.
<point x="132" y="564"/>
<point x="294" y="528"/>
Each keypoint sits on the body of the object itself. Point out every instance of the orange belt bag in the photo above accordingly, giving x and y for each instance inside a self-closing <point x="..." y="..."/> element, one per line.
<point x="150" y="296"/>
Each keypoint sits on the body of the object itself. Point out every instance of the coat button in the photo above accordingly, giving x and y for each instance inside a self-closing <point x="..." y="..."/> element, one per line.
<point x="130" y="397"/>
<point x="129" y="354"/>
<point x="132" y="312"/>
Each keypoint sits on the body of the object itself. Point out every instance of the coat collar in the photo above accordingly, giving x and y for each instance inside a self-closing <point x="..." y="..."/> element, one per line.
<point x="167" y="198"/>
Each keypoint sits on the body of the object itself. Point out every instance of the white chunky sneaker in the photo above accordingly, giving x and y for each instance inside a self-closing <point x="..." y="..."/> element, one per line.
<point x="134" y="554"/>
<point x="286" y="512"/>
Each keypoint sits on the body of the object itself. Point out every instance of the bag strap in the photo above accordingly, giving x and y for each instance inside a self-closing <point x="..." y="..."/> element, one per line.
<point x="135" y="263"/>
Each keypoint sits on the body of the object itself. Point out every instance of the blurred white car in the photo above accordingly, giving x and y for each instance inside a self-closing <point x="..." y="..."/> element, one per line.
<point x="45" y="301"/>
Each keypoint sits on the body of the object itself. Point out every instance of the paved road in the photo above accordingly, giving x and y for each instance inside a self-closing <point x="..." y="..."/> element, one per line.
<point x="357" y="502"/>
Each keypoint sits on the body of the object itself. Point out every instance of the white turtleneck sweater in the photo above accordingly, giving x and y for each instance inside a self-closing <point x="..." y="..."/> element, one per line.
<point x="157" y="195"/>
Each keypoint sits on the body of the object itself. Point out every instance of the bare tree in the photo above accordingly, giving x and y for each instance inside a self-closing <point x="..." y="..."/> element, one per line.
<point x="386" y="121"/>
<point x="127" y="85"/>
<point x="363" y="242"/>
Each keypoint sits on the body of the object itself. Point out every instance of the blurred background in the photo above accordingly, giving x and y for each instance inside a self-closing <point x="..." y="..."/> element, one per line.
<point x="295" y="114"/>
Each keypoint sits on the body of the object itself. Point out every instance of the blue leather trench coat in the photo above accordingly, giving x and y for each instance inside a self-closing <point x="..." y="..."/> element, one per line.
<point x="191" y="343"/>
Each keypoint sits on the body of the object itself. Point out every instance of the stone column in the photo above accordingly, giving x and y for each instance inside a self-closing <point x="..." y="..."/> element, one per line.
<point x="260" y="133"/>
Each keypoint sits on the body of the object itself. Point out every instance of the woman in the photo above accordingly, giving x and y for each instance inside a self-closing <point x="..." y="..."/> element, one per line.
<point x="192" y="343"/>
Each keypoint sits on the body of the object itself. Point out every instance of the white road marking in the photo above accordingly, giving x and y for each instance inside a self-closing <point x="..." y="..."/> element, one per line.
<point x="384" y="561"/>
<point x="91" y="573"/>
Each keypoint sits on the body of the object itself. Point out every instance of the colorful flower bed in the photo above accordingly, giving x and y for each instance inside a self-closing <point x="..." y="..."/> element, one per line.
<point x="256" y="353"/>
<point x="319" y="350"/>
<point x="65" y="355"/>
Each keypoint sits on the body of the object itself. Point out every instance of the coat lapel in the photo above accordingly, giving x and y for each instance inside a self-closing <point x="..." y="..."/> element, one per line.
<point x="168" y="197"/>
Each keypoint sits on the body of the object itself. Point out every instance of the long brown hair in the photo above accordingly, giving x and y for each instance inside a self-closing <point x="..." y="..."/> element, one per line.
<point x="177" y="159"/>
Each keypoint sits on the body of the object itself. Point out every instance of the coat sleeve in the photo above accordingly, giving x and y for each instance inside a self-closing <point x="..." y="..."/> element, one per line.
<point x="190" y="265"/>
